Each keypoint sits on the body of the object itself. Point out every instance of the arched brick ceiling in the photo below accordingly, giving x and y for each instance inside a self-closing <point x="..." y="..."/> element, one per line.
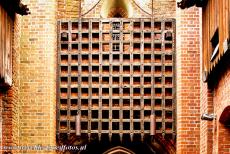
<point x="225" y="116"/>
<point x="109" y="7"/>
<point x="120" y="150"/>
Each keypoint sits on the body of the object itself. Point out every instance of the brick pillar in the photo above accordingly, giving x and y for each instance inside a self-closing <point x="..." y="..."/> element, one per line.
<point x="188" y="80"/>
<point x="9" y="98"/>
<point x="16" y="78"/>
<point x="206" y="127"/>
<point x="38" y="74"/>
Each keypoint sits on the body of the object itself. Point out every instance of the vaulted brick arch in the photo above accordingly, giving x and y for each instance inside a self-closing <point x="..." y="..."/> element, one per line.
<point x="118" y="12"/>
<point x="120" y="150"/>
<point x="156" y="144"/>
<point x="225" y="116"/>
<point x="116" y="8"/>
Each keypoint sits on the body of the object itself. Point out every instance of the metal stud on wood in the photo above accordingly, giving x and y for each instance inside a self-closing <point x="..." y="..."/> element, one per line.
<point x="78" y="125"/>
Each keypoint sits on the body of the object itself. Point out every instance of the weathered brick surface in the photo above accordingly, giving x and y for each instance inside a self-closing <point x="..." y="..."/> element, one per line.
<point x="16" y="75"/>
<point x="188" y="80"/>
<point x="9" y="98"/>
<point x="164" y="8"/>
<point x="38" y="74"/>
<point x="68" y="9"/>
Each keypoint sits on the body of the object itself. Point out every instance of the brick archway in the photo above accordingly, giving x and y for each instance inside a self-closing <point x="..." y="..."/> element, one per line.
<point x="120" y="150"/>
<point x="224" y="130"/>
<point x="225" y="116"/>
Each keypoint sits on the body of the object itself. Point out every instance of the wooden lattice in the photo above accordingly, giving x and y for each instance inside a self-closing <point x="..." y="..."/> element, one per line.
<point x="114" y="74"/>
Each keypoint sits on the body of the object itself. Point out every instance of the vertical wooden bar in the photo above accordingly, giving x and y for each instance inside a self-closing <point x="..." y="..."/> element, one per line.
<point x="79" y="65"/>
<point x="4" y="41"/>
<point x="208" y="36"/>
<point x="7" y="47"/>
<point x="174" y="81"/>
<point x="121" y="51"/>
<point x="69" y="89"/>
<point x="142" y="79"/>
<point x="90" y="107"/>
<point x="58" y="75"/>
<point x="163" y="77"/>
<point x="110" y="88"/>
<point x="100" y="75"/>
<point x="228" y="20"/>
<point x="221" y="25"/>
<point x="152" y="69"/>
<point x="131" y="81"/>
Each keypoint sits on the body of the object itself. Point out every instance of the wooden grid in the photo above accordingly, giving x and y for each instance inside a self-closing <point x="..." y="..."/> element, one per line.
<point x="114" y="74"/>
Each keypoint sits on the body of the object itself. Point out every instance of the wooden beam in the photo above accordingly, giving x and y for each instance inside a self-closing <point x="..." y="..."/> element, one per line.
<point x="189" y="3"/>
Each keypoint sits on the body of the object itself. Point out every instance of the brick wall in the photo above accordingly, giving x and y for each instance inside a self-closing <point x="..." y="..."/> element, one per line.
<point x="8" y="117"/>
<point x="9" y="98"/>
<point x="38" y="74"/>
<point x="164" y="8"/>
<point x="221" y="100"/>
<point x="68" y="9"/>
<point x="215" y="98"/>
<point x="188" y="80"/>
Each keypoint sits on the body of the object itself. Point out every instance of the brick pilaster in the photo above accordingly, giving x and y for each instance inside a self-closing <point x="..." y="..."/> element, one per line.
<point x="188" y="80"/>
<point x="38" y="74"/>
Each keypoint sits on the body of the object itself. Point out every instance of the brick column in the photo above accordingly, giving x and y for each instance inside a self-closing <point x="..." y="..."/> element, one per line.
<point x="188" y="80"/>
<point x="9" y="99"/>
<point x="206" y="127"/>
<point x="38" y="74"/>
<point x="221" y="100"/>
